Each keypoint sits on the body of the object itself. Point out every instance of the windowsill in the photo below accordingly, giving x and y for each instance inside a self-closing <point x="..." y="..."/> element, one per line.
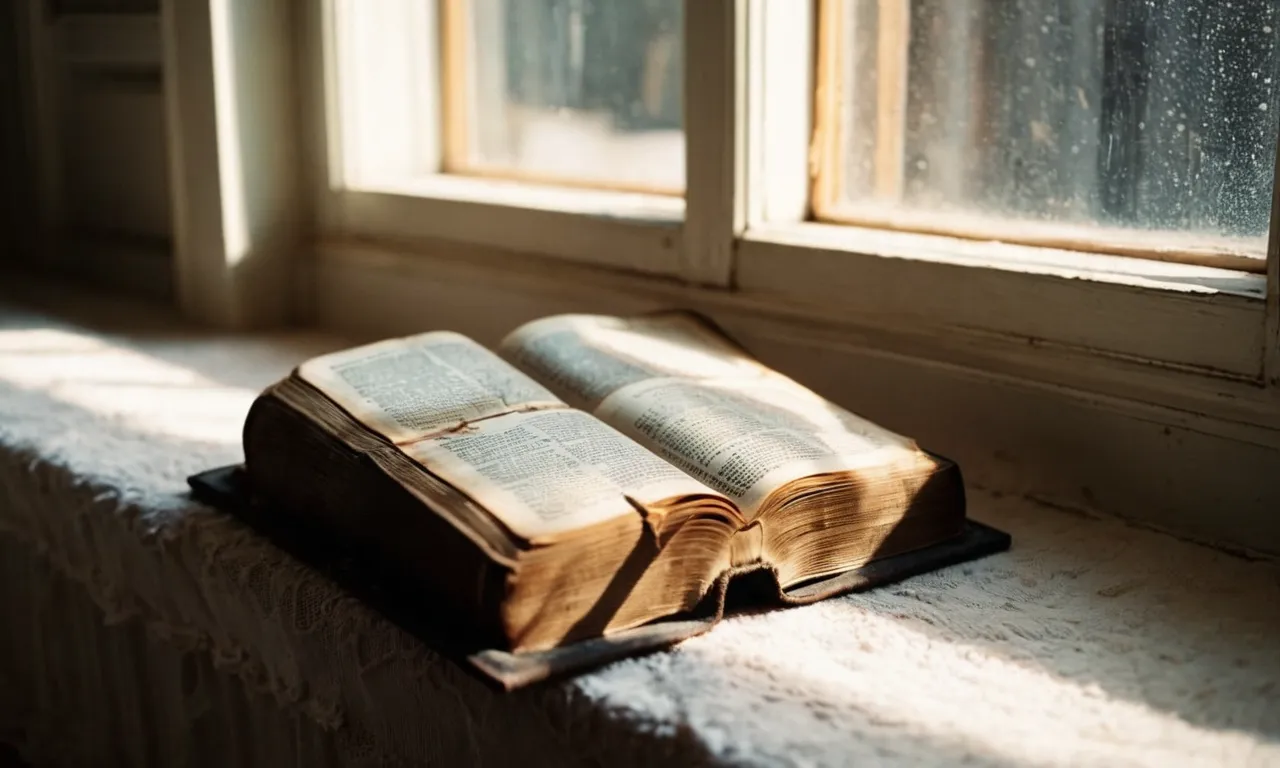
<point x="1203" y="320"/>
<point x="640" y="208"/>
<point x="1051" y="262"/>
<point x="1163" y="314"/>
<point x="93" y="451"/>
<point x="1161" y="333"/>
<point x="642" y="231"/>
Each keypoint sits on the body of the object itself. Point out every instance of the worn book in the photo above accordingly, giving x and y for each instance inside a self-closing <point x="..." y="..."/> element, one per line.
<point x="591" y="476"/>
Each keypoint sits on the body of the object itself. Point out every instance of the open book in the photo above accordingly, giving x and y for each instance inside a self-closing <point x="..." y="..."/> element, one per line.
<point x="594" y="475"/>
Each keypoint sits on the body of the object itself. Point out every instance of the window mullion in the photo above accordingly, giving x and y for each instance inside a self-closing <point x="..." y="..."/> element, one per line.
<point x="715" y="43"/>
<point x="780" y="97"/>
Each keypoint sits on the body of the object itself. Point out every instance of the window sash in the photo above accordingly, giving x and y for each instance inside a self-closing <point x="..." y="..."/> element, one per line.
<point x="891" y="88"/>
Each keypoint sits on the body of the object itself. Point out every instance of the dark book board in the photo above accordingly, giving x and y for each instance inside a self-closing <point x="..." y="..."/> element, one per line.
<point x="227" y="489"/>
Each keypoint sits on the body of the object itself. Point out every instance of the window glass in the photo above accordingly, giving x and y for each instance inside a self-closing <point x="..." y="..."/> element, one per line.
<point x="1113" y="117"/>
<point x="582" y="91"/>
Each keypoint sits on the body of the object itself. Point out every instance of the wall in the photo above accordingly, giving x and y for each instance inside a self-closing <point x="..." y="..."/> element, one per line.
<point x="95" y="112"/>
<point x="16" y="205"/>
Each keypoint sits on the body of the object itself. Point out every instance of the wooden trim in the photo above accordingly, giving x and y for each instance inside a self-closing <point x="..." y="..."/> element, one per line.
<point x="1169" y="315"/>
<point x="715" y="43"/>
<point x="518" y="175"/>
<point x="455" y="105"/>
<point x="201" y="274"/>
<point x="1180" y="248"/>
<point x="234" y="174"/>
<point x="780" y="64"/>
<point x="627" y="244"/>
<point x="893" y="34"/>
<point x="320" y="80"/>
<point x="381" y="82"/>
<point x="825" y="166"/>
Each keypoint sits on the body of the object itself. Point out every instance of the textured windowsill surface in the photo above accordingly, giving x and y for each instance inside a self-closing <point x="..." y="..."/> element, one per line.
<point x="1090" y="641"/>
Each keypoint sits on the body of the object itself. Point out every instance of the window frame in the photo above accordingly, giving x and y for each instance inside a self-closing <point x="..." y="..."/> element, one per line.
<point x="828" y="174"/>
<point x="1181" y="335"/>
<point x="1177" y="317"/>
<point x="646" y="232"/>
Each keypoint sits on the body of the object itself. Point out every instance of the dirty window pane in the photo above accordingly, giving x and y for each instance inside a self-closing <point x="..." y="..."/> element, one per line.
<point x="1117" y="115"/>
<point x="576" y="90"/>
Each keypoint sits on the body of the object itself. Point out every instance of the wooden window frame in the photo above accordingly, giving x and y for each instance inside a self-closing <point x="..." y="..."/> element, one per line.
<point x="1174" y="333"/>
<point x="408" y="190"/>
<point x="828" y="184"/>
<point x="1182" y="318"/>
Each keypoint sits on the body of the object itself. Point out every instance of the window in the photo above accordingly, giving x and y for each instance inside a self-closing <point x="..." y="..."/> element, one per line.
<point x="536" y="126"/>
<point x="1141" y="128"/>
<point x="583" y="92"/>
<point x="981" y="181"/>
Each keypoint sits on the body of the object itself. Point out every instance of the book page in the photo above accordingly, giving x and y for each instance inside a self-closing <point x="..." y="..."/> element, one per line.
<point x="585" y="358"/>
<point x="412" y="387"/>
<point x="547" y="472"/>
<point x="747" y="437"/>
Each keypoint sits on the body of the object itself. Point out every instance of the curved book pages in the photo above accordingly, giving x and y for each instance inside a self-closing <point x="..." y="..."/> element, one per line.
<point x="588" y="491"/>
